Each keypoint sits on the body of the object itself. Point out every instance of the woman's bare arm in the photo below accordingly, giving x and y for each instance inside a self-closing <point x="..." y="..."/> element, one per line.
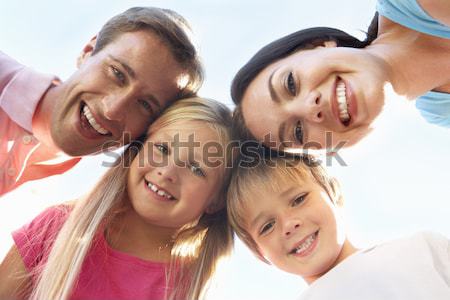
<point x="15" y="282"/>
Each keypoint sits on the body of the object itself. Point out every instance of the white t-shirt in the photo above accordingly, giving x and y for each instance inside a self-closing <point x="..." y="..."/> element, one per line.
<point x="411" y="268"/>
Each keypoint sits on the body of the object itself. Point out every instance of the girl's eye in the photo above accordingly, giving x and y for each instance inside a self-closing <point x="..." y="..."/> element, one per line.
<point x="290" y="84"/>
<point x="299" y="200"/>
<point x="162" y="148"/>
<point x="298" y="132"/>
<point x="266" y="227"/>
<point x="118" y="74"/>
<point x="146" y="105"/>
<point x="196" y="170"/>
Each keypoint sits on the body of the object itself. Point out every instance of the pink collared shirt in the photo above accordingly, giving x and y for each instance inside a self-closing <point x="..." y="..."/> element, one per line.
<point x="21" y="154"/>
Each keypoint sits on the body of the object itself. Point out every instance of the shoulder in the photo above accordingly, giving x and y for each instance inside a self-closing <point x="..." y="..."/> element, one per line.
<point x="34" y="239"/>
<point x="437" y="9"/>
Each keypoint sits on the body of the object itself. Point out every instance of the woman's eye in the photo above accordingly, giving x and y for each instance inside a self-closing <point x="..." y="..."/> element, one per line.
<point x="298" y="132"/>
<point x="118" y="74"/>
<point x="146" y="105"/>
<point x="290" y="84"/>
<point x="266" y="228"/>
<point x="299" y="200"/>
<point x="162" y="148"/>
<point x="196" y="170"/>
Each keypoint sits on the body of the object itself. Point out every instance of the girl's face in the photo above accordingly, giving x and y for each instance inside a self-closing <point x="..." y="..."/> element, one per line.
<point x="170" y="182"/>
<point x="298" y="228"/>
<point x="326" y="89"/>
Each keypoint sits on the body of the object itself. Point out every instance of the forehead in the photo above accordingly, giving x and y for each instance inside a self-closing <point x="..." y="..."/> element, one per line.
<point x="258" y="108"/>
<point x="200" y="131"/>
<point x="149" y="58"/>
<point x="258" y="191"/>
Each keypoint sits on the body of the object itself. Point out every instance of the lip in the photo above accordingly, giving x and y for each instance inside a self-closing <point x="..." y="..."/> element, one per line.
<point x="85" y="129"/>
<point x="310" y="249"/>
<point x="351" y="102"/>
<point x="155" y="195"/>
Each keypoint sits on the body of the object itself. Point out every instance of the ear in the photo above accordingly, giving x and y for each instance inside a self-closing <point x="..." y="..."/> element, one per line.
<point x="330" y="44"/>
<point x="87" y="51"/>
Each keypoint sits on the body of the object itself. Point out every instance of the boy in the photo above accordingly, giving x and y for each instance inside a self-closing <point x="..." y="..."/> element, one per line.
<point x="286" y="210"/>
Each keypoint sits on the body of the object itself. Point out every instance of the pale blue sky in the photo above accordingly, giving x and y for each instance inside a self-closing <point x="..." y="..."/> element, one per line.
<point x="396" y="181"/>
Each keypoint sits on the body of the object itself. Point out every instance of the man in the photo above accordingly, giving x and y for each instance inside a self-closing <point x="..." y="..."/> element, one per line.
<point x="140" y="61"/>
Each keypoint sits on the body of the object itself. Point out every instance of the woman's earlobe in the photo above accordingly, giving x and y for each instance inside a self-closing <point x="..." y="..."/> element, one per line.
<point x="330" y="44"/>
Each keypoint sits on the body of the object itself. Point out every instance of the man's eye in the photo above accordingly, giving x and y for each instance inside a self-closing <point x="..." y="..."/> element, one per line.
<point x="290" y="84"/>
<point x="266" y="228"/>
<point x="146" y="105"/>
<point x="196" y="170"/>
<point x="298" y="132"/>
<point x="162" y="148"/>
<point x="299" y="200"/>
<point x="118" y="74"/>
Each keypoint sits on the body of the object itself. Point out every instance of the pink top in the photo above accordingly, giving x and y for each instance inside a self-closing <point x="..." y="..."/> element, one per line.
<point x="21" y="89"/>
<point x="106" y="273"/>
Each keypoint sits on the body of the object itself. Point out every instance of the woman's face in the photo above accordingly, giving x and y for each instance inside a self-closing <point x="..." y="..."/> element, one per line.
<point x="300" y="98"/>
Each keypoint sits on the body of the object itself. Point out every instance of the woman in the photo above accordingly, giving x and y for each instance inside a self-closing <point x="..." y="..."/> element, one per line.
<point x="322" y="80"/>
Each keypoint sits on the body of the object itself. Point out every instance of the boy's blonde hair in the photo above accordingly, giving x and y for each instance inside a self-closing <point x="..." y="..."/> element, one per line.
<point x="208" y="239"/>
<point x="270" y="172"/>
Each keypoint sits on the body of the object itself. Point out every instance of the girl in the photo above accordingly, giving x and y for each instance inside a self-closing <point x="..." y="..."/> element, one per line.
<point x="322" y="80"/>
<point x="286" y="210"/>
<point x="154" y="227"/>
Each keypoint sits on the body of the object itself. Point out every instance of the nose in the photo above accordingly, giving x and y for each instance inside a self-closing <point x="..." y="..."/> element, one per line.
<point x="168" y="173"/>
<point x="291" y="226"/>
<point x="310" y="107"/>
<point x="115" y="106"/>
<point x="314" y="107"/>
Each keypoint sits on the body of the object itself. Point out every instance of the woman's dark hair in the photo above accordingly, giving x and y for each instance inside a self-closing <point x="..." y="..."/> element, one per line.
<point x="302" y="39"/>
<point x="283" y="47"/>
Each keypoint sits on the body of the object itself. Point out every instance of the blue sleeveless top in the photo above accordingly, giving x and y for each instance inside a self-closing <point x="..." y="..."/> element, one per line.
<point x="433" y="106"/>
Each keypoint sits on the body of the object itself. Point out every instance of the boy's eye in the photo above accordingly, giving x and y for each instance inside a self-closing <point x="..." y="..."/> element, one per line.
<point x="146" y="105"/>
<point x="118" y="74"/>
<point x="299" y="200"/>
<point x="266" y="227"/>
<point x="162" y="148"/>
<point x="290" y="84"/>
<point x="196" y="170"/>
<point x="298" y="132"/>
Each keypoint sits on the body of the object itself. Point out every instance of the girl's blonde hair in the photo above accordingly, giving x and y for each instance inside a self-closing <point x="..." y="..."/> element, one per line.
<point x="269" y="172"/>
<point x="208" y="239"/>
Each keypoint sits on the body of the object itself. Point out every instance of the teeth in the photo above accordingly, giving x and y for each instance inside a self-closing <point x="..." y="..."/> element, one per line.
<point x="306" y="244"/>
<point x="159" y="192"/>
<point x="91" y="120"/>
<point x="342" y="102"/>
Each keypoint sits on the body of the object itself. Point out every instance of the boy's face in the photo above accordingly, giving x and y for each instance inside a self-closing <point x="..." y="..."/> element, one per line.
<point x="297" y="228"/>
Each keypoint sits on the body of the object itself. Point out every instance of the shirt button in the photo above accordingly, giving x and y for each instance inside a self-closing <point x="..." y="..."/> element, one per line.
<point x="26" y="139"/>
<point x="11" y="172"/>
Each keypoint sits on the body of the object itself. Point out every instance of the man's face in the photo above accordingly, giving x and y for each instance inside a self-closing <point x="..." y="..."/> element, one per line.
<point x="120" y="89"/>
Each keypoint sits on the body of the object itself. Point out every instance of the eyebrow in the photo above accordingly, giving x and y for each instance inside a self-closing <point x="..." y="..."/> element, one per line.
<point x="273" y="93"/>
<point x="256" y="221"/>
<point x="132" y="74"/>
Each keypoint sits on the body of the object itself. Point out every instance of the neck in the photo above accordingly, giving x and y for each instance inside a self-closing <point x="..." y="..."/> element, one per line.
<point x="131" y="234"/>
<point x="416" y="62"/>
<point x="42" y="117"/>
<point x="347" y="250"/>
